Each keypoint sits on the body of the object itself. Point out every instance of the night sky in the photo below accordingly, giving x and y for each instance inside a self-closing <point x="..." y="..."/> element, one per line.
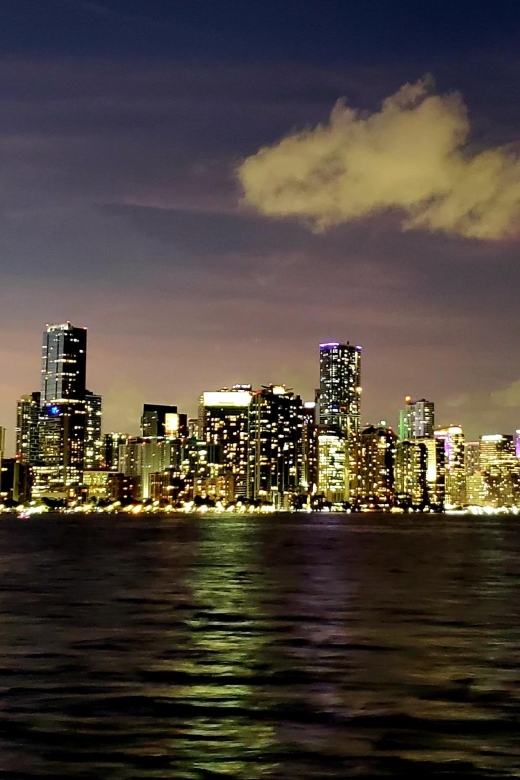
<point x="123" y="124"/>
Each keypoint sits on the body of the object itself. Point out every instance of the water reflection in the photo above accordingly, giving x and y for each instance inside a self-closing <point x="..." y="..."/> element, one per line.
<point x="230" y="731"/>
<point x="280" y="647"/>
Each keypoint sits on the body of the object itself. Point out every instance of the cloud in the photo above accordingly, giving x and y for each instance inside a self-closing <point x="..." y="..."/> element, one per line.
<point x="413" y="155"/>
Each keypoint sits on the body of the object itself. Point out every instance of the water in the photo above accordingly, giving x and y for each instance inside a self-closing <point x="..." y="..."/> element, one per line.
<point x="288" y="647"/>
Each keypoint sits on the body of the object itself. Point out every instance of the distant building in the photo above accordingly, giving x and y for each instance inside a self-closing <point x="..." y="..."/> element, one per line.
<point x="160" y="421"/>
<point x="15" y="481"/>
<point x="2" y="443"/>
<point x="410" y="468"/>
<point x="376" y="453"/>
<point x="455" y="469"/>
<point x="27" y="428"/>
<point x="63" y="412"/>
<point x="500" y="470"/>
<point x="224" y="424"/>
<point x="340" y="387"/>
<point x="416" y="420"/>
<point x="332" y="465"/>
<point x="112" y="442"/>
<point x="275" y="453"/>
<point x="93" y="427"/>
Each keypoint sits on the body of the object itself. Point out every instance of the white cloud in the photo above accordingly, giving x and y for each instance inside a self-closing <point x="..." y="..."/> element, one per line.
<point x="413" y="155"/>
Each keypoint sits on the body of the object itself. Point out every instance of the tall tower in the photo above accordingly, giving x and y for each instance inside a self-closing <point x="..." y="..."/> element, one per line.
<point x="27" y="422"/>
<point x="340" y="387"/>
<point x="62" y="415"/>
<point x="417" y="420"/>
<point x="275" y="453"/>
<point x="224" y="424"/>
<point x="93" y="427"/>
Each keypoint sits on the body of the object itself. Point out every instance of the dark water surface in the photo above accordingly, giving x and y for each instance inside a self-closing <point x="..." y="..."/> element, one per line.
<point x="288" y="647"/>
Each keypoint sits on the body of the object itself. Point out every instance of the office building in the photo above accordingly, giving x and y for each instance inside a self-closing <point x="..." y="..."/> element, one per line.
<point x="309" y="449"/>
<point x="224" y="423"/>
<point x="500" y="470"/>
<point x="159" y="421"/>
<point x="15" y="481"/>
<point x="27" y="428"/>
<point x="416" y="420"/>
<point x="340" y="387"/>
<point x="376" y="452"/>
<point x="111" y="444"/>
<point x="93" y="427"/>
<point x="332" y="465"/>
<point x="275" y="452"/>
<point x="410" y="467"/>
<point x="453" y="441"/>
<point x="63" y="412"/>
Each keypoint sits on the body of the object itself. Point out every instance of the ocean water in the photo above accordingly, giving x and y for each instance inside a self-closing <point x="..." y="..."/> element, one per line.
<point x="285" y="646"/>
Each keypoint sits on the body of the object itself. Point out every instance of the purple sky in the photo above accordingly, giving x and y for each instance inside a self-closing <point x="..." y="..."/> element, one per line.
<point x="119" y="211"/>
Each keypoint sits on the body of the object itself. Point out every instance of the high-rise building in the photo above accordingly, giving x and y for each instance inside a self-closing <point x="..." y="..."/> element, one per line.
<point x="410" y="469"/>
<point x="62" y="417"/>
<point x="455" y="469"/>
<point x="416" y="420"/>
<point x="224" y="423"/>
<point x="332" y="465"/>
<point x="340" y="387"/>
<point x="112" y="442"/>
<point x="309" y="449"/>
<point x="64" y="363"/>
<point x="160" y="421"/>
<point x="93" y="426"/>
<point x="376" y="452"/>
<point x="275" y="455"/>
<point x="435" y="472"/>
<point x="27" y="433"/>
<point x="500" y="470"/>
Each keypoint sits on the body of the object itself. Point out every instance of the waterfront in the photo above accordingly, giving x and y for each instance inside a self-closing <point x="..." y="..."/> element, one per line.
<point x="279" y="646"/>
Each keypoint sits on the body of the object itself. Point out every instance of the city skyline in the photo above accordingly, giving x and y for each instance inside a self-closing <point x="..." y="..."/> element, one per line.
<point x="124" y="125"/>
<point x="132" y="412"/>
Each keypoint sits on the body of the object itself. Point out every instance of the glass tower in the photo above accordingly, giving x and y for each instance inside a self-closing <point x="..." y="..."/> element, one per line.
<point x="340" y="387"/>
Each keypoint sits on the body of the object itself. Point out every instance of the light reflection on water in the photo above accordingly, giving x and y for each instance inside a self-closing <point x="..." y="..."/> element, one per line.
<point x="286" y="646"/>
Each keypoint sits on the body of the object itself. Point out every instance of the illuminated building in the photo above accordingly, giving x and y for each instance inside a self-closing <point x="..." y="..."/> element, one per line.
<point x="455" y="470"/>
<point x="332" y="465"/>
<point x="417" y="420"/>
<point x="63" y="417"/>
<point x="112" y="442"/>
<point x="500" y="470"/>
<point x="435" y="473"/>
<point x="140" y="458"/>
<point x="224" y="423"/>
<point x="410" y="467"/>
<point x="275" y="456"/>
<point x="472" y="458"/>
<point x="93" y="424"/>
<point x="27" y="423"/>
<point x="64" y="363"/>
<point x="159" y="421"/>
<point x="340" y="387"/>
<point x="376" y="451"/>
<point x="98" y="484"/>
<point x="309" y="449"/>
<point x="517" y="444"/>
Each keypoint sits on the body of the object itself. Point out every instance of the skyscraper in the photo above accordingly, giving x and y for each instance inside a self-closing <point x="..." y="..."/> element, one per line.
<point x="64" y="363"/>
<point x="93" y="426"/>
<point x="376" y="452"/>
<point x="27" y="422"/>
<point x="340" y="386"/>
<point x="500" y="470"/>
<point x="224" y="423"/>
<point x="417" y="420"/>
<point x="454" y="464"/>
<point x="62" y="417"/>
<point x="275" y="453"/>
<point x="112" y="442"/>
